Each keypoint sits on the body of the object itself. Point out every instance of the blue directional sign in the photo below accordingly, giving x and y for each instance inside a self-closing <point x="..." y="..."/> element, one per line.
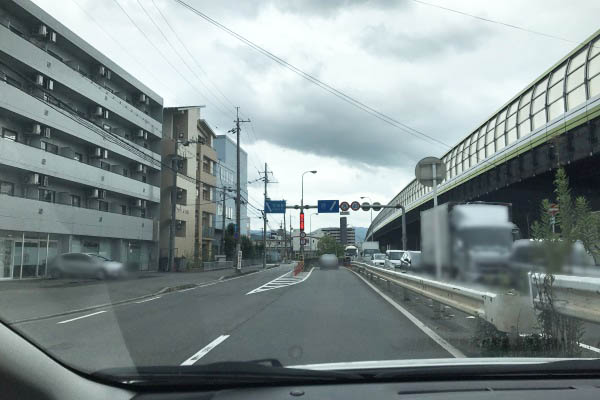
<point x="275" y="206"/>
<point x="328" y="206"/>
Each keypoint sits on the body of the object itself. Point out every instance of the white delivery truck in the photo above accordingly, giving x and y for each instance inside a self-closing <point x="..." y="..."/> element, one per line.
<point x="367" y="249"/>
<point x="474" y="240"/>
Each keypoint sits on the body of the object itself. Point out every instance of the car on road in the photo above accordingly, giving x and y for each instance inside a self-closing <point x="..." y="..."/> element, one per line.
<point x="411" y="259"/>
<point x="530" y="255"/>
<point x="378" y="259"/>
<point x="85" y="265"/>
<point x="328" y="261"/>
<point x="393" y="259"/>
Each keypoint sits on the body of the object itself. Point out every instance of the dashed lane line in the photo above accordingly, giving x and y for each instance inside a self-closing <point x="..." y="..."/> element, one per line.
<point x="83" y="316"/>
<point x="204" y="351"/>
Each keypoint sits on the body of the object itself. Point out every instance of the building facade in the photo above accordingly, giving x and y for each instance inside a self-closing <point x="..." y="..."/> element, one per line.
<point x="80" y="143"/>
<point x="188" y="147"/>
<point x="335" y="232"/>
<point x="226" y="185"/>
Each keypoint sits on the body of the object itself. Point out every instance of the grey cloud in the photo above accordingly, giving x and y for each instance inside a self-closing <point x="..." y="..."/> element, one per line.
<point x="379" y="41"/>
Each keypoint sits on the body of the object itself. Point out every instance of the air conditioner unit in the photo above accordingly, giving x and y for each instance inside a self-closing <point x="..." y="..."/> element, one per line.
<point x="142" y="134"/>
<point x="142" y="98"/>
<point x="36" y="129"/>
<point x="39" y="80"/>
<point x="33" y="179"/>
<point x="105" y="114"/>
<point x="138" y="203"/>
<point x="108" y="74"/>
<point x="44" y="180"/>
<point x="141" y="168"/>
<point x="46" y="132"/>
<point x="49" y="84"/>
<point x="98" y="111"/>
<point x="52" y="37"/>
<point x="97" y="194"/>
<point x="99" y="152"/>
<point x="42" y="30"/>
<point x="101" y="70"/>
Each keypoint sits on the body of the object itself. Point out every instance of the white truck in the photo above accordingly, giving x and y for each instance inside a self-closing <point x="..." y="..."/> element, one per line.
<point x="474" y="240"/>
<point x="367" y="249"/>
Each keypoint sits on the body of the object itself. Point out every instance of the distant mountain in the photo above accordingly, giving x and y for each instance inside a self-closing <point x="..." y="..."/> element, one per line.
<point x="360" y="233"/>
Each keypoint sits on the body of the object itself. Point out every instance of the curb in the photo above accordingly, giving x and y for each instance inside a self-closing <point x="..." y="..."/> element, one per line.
<point x="168" y="289"/>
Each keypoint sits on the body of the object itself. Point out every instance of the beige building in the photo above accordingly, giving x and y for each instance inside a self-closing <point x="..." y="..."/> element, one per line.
<point x="191" y="139"/>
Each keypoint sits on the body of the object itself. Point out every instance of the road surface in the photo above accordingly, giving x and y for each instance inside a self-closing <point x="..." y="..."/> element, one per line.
<point x="319" y="316"/>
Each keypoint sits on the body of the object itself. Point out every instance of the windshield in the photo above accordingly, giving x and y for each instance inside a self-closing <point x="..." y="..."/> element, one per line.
<point x="192" y="182"/>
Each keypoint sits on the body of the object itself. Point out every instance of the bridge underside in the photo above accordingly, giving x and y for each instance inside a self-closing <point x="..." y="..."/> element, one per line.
<point x="523" y="181"/>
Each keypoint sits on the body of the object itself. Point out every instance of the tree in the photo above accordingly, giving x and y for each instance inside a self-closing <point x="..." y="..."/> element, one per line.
<point x="575" y="221"/>
<point x="328" y="245"/>
<point x="248" y="250"/>
<point x="229" y="241"/>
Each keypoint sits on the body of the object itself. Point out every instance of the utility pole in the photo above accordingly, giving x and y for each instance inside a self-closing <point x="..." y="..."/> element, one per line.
<point x="284" y="238"/>
<point x="265" y="220"/>
<point x="237" y="195"/>
<point x="223" y="224"/>
<point x="175" y="165"/>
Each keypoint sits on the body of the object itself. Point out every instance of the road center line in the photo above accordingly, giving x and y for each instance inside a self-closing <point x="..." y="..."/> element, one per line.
<point x="204" y="351"/>
<point x="83" y="316"/>
<point x="150" y="299"/>
<point x="426" y="330"/>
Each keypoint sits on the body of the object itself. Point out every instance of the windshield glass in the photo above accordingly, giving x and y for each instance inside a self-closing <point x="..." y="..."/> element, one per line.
<point x="191" y="182"/>
<point x="395" y="255"/>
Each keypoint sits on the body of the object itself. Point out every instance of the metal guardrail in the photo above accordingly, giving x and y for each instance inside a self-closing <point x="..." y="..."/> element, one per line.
<point x="508" y="312"/>
<point x="572" y="296"/>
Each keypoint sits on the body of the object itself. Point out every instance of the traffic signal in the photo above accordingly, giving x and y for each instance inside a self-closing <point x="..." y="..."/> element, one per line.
<point x="301" y="221"/>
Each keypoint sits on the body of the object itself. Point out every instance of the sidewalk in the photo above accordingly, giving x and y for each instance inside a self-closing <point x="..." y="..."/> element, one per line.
<point x="34" y="298"/>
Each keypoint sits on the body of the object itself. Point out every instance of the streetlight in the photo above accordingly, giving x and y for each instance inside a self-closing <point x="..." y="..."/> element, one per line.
<point x="302" y="206"/>
<point x="310" y="233"/>
<point x="371" y="208"/>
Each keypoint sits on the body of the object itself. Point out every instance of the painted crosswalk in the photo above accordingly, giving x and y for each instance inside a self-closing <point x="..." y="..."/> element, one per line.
<point x="285" y="280"/>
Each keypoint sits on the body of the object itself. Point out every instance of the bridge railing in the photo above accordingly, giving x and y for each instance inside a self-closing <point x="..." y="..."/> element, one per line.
<point x="573" y="296"/>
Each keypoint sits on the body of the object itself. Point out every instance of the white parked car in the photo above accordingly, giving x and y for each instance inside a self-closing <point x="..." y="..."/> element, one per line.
<point x="85" y="265"/>
<point x="393" y="259"/>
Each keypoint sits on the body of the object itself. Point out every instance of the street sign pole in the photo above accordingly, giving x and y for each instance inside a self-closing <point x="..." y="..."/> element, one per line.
<point x="438" y="253"/>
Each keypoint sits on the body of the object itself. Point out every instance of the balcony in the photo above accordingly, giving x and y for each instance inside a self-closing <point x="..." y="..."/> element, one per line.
<point x="24" y="214"/>
<point x="23" y="103"/>
<point x="19" y="155"/>
<point x="31" y="55"/>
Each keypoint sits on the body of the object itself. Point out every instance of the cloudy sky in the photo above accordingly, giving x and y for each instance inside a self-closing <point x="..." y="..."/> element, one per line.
<point x="439" y="72"/>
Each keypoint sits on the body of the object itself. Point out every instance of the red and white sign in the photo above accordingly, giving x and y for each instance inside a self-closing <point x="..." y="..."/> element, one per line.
<point x="553" y="209"/>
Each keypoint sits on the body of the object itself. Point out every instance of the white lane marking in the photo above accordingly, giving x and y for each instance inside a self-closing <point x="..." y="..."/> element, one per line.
<point x="83" y="316"/>
<point x="588" y="347"/>
<point x="150" y="299"/>
<point x="185" y="290"/>
<point x="204" y="351"/>
<point x="437" y="338"/>
<point x="281" y="282"/>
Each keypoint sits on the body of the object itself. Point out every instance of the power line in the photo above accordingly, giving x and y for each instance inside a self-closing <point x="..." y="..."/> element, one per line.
<point x="195" y="61"/>
<point x="494" y="21"/>
<point x="341" y="95"/>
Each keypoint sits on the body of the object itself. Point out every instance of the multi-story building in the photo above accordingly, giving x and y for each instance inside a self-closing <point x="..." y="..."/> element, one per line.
<point x="335" y="232"/>
<point x="188" y="146"/>
<point x="80" y="156"/>
<point x="226" y="185"/>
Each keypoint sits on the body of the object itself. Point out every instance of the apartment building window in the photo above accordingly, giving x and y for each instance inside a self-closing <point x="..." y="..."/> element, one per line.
<point x="219" y="209"/>
<point x="143" y="213"/>
<point x="125" y="172"/>
<point x="75" y="200"/>
<point x="49" y="147"/>
<point x="206" y="193"/>
<point x="124" y="209"/>
<point x="7" y="188"/>
<point x="46" y="195"/>
<point x="102" y="205"/>
<point x="229" y="212"/>
<point x="78" y="157"/>
<point x="206" y="165"/>
<point x="144" y="178"/>
<point x="9" y="134"/>
<point x="105" y="166"/>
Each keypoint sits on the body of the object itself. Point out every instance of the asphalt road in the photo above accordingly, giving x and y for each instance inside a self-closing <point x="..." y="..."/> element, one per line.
<point x="322" y="316"/>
